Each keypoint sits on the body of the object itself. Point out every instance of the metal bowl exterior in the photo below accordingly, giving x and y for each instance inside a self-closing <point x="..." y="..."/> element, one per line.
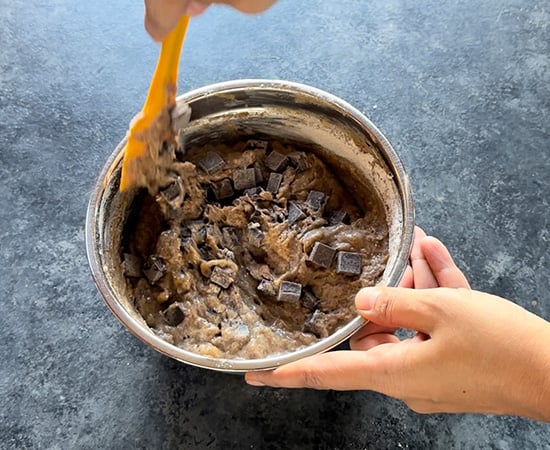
<point x="250" y="93"/>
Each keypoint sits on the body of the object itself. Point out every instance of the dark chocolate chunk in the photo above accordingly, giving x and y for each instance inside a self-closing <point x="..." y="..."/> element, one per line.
<point x="222" y="277"/>
<point x="338" y="217"/>
<point x="274" y="182"/>
<point x="256" y="144"/>
<point x="276" y="161"/>
<point x="132" y="265"/>
<point x="309" y="300"/>
<point x="211" y="163"/>
<point x="349" y="263"/>
<point x="255" y="236"/>
<point x="294" y="213"/>
<point x="173" y="192"/>
<point x="253" y="191"/>
<point x="316" y="200"/>
<point x="298" y="160"/>
<point x="319" y="324"/>
<point x="154" y="269"/>
<point x="223" y="189"/>
<point x="289" y="292"/>
<point x="322" y="255"/>
<point x="267" y="287"/>
<point x="173" y="315"/>
<point x="244" y="178"/>
<point x="259" y="175"/>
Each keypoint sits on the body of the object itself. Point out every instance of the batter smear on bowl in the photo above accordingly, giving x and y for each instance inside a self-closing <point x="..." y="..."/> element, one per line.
<point x="252" y="249"/>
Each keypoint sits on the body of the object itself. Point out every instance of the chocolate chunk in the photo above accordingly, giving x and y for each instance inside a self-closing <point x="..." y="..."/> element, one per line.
<point x="222" y="277"/>
<point x="338" y="217"/>
<point x="267" y="287"/>
<point x="223" y="189"/>
<point x="276" y="161"/>
<point x="256" y="144"/>
<point x="316" y="200"/>
<point x="154" y="269"/>
<point x="255" y="236"/>
<point x="319" y="324"/>
<point x="274" y="182"/>
<point x="212" y="163"/>
<point x="131" y="265"/>
<point x="349" y="263"/>
<point x="253" y="191"/>
<point x="244" y="179"/>
<point x="322" y="255"/>
<point x="173" y="315"/>
<point x="298" y="160"/>
<point x="173" y="192"/>
<point x="289" y="292"/>
<point x="259" y="174"/>
<point x="295" y="213"/>
<point x="309" y="300"/>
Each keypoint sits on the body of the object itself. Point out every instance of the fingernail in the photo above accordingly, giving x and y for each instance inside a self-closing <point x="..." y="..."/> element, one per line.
<point x="253" y="380"/>
<point x="366" y="298"/>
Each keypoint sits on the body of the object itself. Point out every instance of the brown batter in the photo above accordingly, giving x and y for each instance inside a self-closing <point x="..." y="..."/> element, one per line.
<point x="236" y="263"/>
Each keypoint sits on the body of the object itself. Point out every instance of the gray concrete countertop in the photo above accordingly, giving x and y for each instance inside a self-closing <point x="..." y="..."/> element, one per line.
<point x="462" y="90"/>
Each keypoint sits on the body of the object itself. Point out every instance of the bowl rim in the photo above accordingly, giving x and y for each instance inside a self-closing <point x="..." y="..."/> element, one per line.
<point x="143" y="333"/>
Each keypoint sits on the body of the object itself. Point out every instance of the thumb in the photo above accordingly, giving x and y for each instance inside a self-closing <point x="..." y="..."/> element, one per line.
<point x="340" y="370"/>
<point x="399" y="307"/>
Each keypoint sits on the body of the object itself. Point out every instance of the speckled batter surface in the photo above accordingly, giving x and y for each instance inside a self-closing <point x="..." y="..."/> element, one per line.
<point x="244" y="254"/>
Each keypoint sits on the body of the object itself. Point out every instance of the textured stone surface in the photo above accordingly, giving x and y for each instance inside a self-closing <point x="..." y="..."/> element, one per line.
<point x="461" y="88"/>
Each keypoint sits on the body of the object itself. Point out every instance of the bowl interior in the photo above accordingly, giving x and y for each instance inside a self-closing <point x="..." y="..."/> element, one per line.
<point x="338" y="133"/>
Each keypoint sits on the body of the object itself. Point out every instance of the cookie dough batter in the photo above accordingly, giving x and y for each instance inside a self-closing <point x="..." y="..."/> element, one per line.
<point x="253" y="249"/>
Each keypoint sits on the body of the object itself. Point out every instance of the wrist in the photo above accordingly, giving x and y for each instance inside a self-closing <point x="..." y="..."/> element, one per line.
<point x="531" y="389"/>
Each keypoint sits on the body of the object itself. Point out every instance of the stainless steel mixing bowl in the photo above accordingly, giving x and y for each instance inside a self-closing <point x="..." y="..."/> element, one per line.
<point x="293" y="112"/>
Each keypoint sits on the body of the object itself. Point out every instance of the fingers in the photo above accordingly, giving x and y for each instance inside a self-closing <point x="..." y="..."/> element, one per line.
<point x="387" y="368"/>
<point x="342" y="370"/>
<point x="373" y="340"/>
<point x="372" y="335"/>
<point x="408" y="278"/>
<point x="399" y="308"/>
<point x="441" y="264"/>
<point x="423" y="276"/>
<point x="433" y="265"/>
<point x="249" y="6"/>
<point x="161" y="16"/>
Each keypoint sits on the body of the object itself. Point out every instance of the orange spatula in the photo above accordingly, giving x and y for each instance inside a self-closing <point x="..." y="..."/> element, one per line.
<point x="160" y="98"/>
